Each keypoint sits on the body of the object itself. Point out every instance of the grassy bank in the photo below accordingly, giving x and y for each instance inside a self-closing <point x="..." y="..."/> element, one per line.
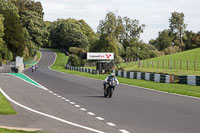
<point x="15" y="131"/>
<point x="171" y="88"/>
<point x="182" y="63"/>
<point x="5" y="107"/>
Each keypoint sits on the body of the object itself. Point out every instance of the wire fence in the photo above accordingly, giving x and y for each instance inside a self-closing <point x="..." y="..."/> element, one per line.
<point x="193" y="65"/>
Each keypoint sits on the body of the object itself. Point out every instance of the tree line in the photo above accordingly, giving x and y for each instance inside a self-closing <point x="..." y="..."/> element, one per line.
<point x="22" y="28"/>
<point x="176" y="38"/>
<point x="23" y="31"/>
<point x="114" y="34"/>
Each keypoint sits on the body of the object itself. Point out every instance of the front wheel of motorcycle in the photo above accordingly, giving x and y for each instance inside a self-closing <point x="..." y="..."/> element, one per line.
<point x="111" y="92"/>
<point x="105" y="93"/>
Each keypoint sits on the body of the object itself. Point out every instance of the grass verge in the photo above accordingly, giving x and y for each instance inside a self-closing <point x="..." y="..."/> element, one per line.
<point x="2" y="130"/>
<point x="171" y="88"/>
<point x="182" y="63"/>
<point x="5" y="107"/>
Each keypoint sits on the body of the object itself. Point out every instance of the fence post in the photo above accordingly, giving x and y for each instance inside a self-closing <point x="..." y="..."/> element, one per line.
<point x="163" y="63"/>
<point x="152" y="63"/>
<point x="174" y="64"/>
<point x="135" y="61"/>
<point x="194" y="65"/>
<point x="168" y="64"/>
<point x="157" y="63"/>
<point x="143" y="63"/>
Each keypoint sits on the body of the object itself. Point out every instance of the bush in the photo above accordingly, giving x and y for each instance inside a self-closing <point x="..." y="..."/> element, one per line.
<point x="76" y="51"/>
<point x="74" y="60"/>
<point x="172" y="50"/>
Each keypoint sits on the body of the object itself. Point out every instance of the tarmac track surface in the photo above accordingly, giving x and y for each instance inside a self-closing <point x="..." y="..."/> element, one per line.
<point x="133" y="109"/>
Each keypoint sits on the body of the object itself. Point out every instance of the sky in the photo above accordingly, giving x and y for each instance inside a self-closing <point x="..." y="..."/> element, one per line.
<point x="154" y="14"/>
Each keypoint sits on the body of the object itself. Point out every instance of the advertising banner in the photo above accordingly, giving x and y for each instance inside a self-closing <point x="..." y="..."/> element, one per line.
<point x="100" y="56"/>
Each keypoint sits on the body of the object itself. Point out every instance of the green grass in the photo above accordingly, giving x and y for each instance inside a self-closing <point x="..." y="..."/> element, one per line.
<point x="2" y="130"/>
<point x="171" y="88"/>
<point x="163" y="64"/>
<point x="61" y="60"/>
<point x="5" y="107"/>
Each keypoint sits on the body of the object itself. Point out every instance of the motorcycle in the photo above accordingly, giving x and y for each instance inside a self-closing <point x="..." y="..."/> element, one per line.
<point x="110" y="88"/>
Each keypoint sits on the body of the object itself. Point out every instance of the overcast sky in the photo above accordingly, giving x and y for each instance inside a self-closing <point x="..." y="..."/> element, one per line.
<point x="154" y="14"/>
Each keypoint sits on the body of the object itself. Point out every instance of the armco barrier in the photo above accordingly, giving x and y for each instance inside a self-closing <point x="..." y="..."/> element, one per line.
<point x="190" y="80"/>
<point x="92" y="71"/>
<point x="161" y="78"/>
<point x="146" y="76"/>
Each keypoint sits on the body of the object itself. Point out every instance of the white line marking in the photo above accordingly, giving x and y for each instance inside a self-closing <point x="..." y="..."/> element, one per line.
<point x="63" y="98"/>
<point x="37" y="83"/>
<point x="50" y="91"/>
<point x="72" y="102"/>
<point x="55" y="94"/>
<point x="50" y="116"/>
<point x="111" y="124"/>
<point x="100" y="118"/>
<point x="53" y="61"/>
<point x="67" y="100"/>
<point x="58" y="96"/>
<point x="123" y="131"/>
<point x="78" y="106"/>
<point x="83" y="109"/>
<point x="90" y="113"/>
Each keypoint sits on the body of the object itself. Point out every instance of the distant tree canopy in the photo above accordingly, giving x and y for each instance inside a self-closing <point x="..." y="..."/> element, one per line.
<point x="31" y="16"/>
<point x="163" y="40"/>
<point x="30" y="5"/>
<point x="177" y="27"/>
<point x="1" y="35"/>
<point x="25" y="31"/>
<point x="14" y="32"/>
<point x="71" y="33"/>
<point x="117" y="34"/>
<point x="1" y="31"/>
<point x="191" y="40"/>
<point x="176" y="38"/>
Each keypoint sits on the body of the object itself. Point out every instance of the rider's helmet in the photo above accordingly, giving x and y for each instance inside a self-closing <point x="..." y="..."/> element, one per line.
<point x="112" y="74"/>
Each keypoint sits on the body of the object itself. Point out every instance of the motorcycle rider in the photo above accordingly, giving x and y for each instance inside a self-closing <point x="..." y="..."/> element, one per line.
<point x="112" y="75"/>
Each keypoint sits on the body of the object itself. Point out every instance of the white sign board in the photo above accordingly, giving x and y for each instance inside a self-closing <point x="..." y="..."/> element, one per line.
<point x="19" y="61"/>
<point x="100" y="56"/>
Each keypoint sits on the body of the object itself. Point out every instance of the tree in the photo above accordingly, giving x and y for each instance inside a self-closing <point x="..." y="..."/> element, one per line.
<point x="87" y="31"/>
<point x="1" y="31"/>
<point x="36" y="27"/>
<point x="191" y="40"/>
<point x="116" y="33"/>
<point x="1" y="35"/>
<point x="68" y="33"/>
<point x="14" y="32"/>
<point x="31" y="16"/>
<point x="177" y="26"/>
<point x="163" y="40"/>
<point x="133" y="29"/>
<point x="31" y="5"/>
